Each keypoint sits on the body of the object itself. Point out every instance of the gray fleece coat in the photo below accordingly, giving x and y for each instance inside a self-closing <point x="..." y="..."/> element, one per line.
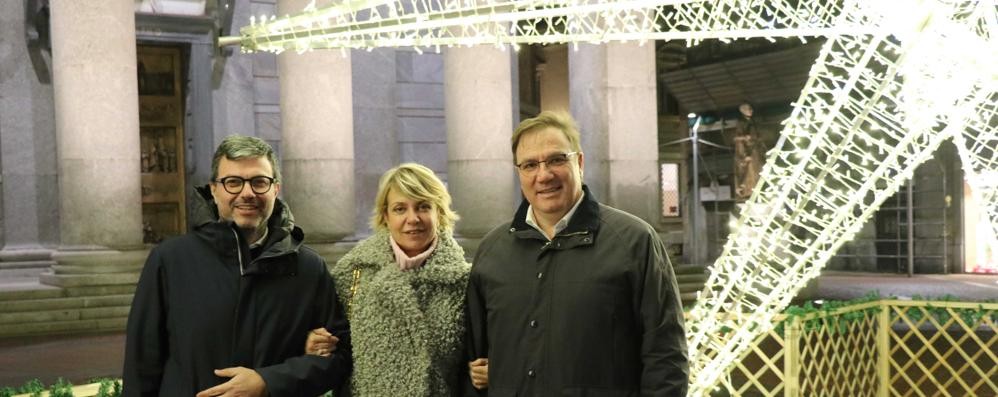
<point x="407" y="327"/>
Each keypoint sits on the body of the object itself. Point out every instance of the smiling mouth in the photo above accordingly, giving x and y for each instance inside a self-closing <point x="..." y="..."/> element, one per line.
<point x="549" y="191"/>
<point x="246" y="208"/>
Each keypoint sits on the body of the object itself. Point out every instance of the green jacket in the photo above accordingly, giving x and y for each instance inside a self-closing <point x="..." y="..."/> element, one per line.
<point x="594" y="312"/>
<point x="407" y="327"/>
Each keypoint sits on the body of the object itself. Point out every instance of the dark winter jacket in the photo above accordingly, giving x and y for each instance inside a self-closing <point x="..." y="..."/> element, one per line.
<point x="407" y="327"/>
<point x="194" y="312"/>
<point x="593" y="312"/>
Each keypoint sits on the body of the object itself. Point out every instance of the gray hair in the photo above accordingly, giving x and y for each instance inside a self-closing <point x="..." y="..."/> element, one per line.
<point x="560" y="120"/>
<point x="238" y="147"/>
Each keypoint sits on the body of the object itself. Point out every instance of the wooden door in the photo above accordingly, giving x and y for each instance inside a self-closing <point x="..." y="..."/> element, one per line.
<point x="161" y="129"/>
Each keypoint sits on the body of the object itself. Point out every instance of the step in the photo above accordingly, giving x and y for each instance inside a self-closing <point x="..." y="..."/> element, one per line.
<point x="64" y="327"/>
<point x="99" y="290"/>
<point x="48" y="316"/>
<point x="12" y="290"/>
<point x="688" y="269"/>
<point x="684" y="288"/>
<point x="691" y="278"/>
<point x="86" y="280"/>
<point x="688" y="298"/>
<point x="24" y="269"/>
<point x="12" y="306"/>
<point x="26" y="273"/>
<point x="33" y="290"/>
<point x="27" y="265"/>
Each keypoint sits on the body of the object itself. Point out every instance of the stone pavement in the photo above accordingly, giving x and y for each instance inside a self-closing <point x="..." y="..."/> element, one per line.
<point x="77" y="358"/>
<point x="968" y="287"/>
<point x="80" y="358"/>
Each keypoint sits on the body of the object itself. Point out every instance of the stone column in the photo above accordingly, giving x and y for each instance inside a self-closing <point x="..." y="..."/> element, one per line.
<point x="478" y="111"/>
<point x="30" y="196"/>
<point x="376" y="126"/>
<point x="97" y="129"/>
<point x="317" y="138"/>
<point x="612" y="96"/>
<point x="554" y="77"/>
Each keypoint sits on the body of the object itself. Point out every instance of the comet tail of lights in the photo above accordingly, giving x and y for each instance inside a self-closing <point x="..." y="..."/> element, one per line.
<point x="894" y="79"/>
<point x="433" y="23"/>
<point x="874" y="108"/>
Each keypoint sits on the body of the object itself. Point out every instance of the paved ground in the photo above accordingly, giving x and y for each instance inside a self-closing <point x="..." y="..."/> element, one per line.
<point x="74" y="358"/>
<point x="80" y="358"/>
<point x="971" y="287"/>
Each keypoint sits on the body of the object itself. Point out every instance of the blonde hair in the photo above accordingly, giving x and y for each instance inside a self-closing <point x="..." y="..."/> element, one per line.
<point x="556" y="119"/>
<point x="417" y="182"/>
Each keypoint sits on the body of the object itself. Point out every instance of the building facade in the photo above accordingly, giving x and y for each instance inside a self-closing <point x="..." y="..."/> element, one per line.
<point x="111" y="110"/>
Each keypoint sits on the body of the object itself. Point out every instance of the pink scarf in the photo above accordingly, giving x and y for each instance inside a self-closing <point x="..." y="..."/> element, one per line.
<point x="407" y="263"/>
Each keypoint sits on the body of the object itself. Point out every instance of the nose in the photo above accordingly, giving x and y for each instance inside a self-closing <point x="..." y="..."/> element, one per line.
<point x="544" y="172"/>
<point x="247" y="191"/>
<point x="411" y="217"/>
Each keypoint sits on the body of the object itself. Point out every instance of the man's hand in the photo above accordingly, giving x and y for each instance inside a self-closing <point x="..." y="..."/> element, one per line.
<point x="479" y="371"/>
<point x="244" y="382"/>
<point x="320" y="342"/>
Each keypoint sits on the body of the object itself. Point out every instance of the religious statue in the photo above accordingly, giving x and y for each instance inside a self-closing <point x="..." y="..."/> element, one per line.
<point x="749" y="151"/>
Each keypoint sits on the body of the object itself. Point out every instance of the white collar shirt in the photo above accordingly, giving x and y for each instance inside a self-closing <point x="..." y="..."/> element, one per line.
<point x="562" y="223"/>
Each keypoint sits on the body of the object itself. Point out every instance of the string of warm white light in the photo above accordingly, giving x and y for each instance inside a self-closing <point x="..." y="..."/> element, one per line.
<point x="873" y="109"/>
<point x="435" y="23"/>
<point x="894" y="80"/>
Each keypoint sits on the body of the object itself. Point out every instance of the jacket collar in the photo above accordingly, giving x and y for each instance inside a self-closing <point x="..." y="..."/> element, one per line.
<point x="446" y="265"/>
<point x="585" y="220"/>
<point x="284" y="238"/>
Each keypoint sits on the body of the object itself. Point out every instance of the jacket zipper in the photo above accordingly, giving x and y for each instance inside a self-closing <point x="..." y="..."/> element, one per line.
<point x="239" y="297"/>
<point x="239" y="254"/>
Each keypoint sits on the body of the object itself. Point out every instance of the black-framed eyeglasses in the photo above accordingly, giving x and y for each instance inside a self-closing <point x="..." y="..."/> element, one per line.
<point x="555" y="161"/>
<point x="234" y="184"/>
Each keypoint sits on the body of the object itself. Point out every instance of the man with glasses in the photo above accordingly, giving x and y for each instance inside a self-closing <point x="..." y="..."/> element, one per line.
<point x="225" y="309"/>
<point x="572" y="297"/>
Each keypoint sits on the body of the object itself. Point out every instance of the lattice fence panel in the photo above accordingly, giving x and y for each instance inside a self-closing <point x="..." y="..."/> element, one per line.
<point x="943" y="351"/>
<point x="760" y="370"/>
<point x="934" y="349"/>
<point x="839" y="356"/>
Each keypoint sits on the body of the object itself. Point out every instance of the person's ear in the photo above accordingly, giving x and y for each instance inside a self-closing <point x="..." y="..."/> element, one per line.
<point x="214" y="191"/>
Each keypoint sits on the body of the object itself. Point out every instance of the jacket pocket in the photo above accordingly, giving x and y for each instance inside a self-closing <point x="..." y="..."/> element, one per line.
<point x="596" y="392"/>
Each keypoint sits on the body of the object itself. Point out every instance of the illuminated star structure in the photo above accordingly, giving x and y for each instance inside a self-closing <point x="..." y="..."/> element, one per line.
<point x="894" y="79"/>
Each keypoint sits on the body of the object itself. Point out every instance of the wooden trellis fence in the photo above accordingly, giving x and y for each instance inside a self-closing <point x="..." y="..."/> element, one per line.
<point x="882" y="348"/>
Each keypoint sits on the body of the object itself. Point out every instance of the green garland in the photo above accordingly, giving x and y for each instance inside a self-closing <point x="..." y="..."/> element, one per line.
<point x="840" y="323"/>
<point x="109" y="388"/>
<point x="62" y="388"/>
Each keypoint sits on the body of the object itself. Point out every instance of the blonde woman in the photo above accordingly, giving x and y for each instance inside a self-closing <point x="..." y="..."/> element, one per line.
<point x="404" y="291"/>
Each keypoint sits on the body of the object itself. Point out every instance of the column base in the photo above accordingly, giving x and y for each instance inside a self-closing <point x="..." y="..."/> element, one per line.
<point x="86" y="267"/>
<point x="24" y="262"/>
<point x="470" y="245"/>
<point x="332" y="252"/>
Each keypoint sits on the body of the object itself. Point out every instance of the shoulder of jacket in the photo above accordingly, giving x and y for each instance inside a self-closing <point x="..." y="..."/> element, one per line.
<point x="368" y="251"/>
<point x="178" y="244"/>
<point x="450" y="252"/>
<point x="497" y="233"/>
<point x="309" y="259"/>
<point x="621" y="222"/>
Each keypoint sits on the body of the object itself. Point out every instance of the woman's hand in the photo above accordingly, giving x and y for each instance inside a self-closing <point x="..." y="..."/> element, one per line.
<point x="320" y="343"/>
<point x="479" y="371"/>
